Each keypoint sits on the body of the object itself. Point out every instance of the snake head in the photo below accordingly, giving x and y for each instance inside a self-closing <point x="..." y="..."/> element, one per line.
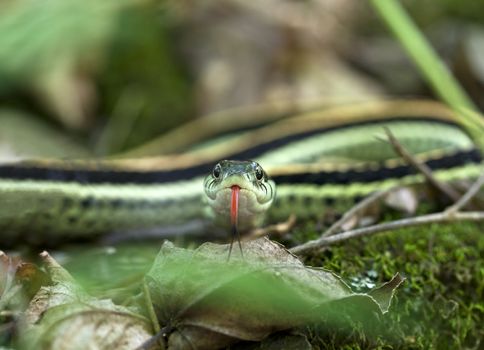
<point x="257" y="191"/>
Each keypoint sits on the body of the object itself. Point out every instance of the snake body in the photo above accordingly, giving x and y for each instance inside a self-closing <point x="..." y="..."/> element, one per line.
<point x="316" y="160"/>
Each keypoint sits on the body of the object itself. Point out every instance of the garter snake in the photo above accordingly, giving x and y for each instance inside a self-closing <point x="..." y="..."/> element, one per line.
<point x="317" y="159"/>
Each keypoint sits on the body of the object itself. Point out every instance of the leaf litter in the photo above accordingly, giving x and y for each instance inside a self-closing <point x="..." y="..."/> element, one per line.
<point x="201" y="299"/>
<point x="209" y="302"/>
<point x="64" y="316"/>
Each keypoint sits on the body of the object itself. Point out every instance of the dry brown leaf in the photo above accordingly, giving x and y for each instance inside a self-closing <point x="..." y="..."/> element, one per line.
<point x="403" y="199"/>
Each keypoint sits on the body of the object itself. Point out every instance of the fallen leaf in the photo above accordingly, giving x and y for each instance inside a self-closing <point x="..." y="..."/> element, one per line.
<point x="403" y="199"/>
<point x="208" y="302"/>
<point x="19" y="280"/>
<point x="351" y="223"/>
<point x="64" y="316"/>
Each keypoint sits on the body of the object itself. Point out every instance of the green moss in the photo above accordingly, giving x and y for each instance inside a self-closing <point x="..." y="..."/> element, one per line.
<point x="440" y="306"/>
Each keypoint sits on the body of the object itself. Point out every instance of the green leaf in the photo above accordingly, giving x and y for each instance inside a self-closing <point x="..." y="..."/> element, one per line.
<point x="210" y="302"/>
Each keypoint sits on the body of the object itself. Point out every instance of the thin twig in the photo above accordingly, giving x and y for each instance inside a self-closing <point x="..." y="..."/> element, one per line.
<point x="422" y="168"/>
<point x="276" y="229"/>
<point x="362" y="205"/>
<point x="467" y="197"/>
<point x="388" y="226"/>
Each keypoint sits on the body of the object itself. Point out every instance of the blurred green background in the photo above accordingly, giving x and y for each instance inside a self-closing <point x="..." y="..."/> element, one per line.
<point x="113" y="75"/>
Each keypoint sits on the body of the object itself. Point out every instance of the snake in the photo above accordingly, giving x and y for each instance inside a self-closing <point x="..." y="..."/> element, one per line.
<point x="302" y="164"/>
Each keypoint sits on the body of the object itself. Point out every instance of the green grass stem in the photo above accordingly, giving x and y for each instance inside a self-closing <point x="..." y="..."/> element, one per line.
<point x="431" y="66"/>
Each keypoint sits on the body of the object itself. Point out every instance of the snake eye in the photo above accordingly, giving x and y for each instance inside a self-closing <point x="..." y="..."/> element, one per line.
<point x="216" y="171"/>
<point x="259" y="173"/>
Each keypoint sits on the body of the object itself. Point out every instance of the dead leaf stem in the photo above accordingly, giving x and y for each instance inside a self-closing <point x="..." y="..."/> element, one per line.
<point x="421" y="167"/>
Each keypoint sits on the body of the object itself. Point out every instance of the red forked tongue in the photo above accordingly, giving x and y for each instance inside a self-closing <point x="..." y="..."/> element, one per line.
<point x="234" y="205"/>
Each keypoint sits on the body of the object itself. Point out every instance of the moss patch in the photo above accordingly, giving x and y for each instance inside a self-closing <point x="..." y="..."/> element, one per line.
<point x="440" y="306"/>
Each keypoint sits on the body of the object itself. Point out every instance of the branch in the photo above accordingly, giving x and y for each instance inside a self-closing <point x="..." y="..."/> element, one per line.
<point x="467" y="197"/>
<point x="385" y="227"/>
<point x="422" y="168"/>
<point x="359" y="207"/>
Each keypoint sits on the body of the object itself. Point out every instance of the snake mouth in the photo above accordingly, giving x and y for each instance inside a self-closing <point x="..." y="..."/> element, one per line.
<point x="242" y="192"/>
<point x="232" y="187"/>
